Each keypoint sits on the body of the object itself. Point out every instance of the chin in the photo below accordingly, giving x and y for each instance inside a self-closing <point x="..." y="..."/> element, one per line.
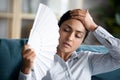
<point x="66" y="50"/>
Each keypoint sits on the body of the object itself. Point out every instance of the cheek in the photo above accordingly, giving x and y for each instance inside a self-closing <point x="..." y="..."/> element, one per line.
<point x="77" y="43"/>
<point x="62" y="35"/>
<point x="61" y="38"/>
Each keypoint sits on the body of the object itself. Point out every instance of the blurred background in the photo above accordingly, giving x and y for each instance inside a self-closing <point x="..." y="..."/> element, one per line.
<point x="17" y="16"/>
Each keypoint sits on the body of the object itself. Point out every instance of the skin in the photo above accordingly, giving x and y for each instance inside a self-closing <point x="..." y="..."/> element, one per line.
<point x="28" y="56"/>
<point x="72" y="33"/>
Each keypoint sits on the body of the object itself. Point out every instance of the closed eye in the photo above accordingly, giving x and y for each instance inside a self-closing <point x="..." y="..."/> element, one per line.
<point x="79" y="35"/>
<point x="67" y="30"/>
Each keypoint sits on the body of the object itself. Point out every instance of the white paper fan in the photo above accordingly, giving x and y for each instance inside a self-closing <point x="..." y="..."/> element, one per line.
<point x="43" y="39"/>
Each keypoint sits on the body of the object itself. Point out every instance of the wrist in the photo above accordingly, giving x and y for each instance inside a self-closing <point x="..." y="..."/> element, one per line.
<point x="93" y="27"/>
<point x="26" y="70"/>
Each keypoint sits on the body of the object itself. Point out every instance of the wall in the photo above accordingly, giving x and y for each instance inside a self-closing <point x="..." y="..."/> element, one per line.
<point x="90" y="4"/>
<point x="57" y="5"/>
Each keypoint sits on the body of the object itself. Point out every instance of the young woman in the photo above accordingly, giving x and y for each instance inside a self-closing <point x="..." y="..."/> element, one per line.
<point x="69" y="65"/>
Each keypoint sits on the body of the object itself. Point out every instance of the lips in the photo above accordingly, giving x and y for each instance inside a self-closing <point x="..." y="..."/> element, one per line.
<point x="66" y="44"/>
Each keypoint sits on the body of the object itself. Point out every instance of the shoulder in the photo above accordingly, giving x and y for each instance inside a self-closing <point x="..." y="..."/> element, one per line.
<point x="84" y="54"/>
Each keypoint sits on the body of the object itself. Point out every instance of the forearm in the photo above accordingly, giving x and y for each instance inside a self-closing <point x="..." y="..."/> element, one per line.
<point x="106" y="62"/>
<point x="105" y="38"/>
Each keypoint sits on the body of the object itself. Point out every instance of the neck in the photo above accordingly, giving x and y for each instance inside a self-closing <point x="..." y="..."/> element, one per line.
<point x="65" y="56"/>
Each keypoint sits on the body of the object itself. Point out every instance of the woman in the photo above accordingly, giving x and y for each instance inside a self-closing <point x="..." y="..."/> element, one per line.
<point x="69" y="65"/>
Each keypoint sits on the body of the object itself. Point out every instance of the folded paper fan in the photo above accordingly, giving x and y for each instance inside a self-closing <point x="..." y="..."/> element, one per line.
<point x="43" y="39"/>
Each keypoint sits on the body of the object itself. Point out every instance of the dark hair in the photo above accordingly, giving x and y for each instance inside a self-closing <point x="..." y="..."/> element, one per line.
<point x="66" y="16"/>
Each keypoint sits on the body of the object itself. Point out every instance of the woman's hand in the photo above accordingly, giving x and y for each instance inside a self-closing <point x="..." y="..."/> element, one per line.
<point x="85" y="17"/>
<point x="28" y="56"/>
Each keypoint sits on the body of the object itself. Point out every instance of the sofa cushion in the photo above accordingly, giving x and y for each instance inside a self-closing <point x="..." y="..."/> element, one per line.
<point x="113" y="75"/>
<point x="93" y="48"/>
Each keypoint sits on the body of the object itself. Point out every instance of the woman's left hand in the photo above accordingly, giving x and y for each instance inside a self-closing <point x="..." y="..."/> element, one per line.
<point x="85" y="17"/>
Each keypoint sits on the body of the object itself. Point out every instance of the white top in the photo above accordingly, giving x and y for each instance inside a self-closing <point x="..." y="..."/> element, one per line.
<point x="82" y="65"/>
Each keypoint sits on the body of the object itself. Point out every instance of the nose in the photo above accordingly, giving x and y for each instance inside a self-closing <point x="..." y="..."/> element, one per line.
<point x="71" y="36"/>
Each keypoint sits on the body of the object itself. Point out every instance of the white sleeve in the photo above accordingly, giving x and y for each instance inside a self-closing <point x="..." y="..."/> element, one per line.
<point x="29" y="76"/>
<point x="110" y="42"/>
<point x="101" y="63"/>
<point x="23" y="76"/>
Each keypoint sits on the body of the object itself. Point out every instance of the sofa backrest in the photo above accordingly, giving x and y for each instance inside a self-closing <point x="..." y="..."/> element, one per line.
<point x="10" y="58"/>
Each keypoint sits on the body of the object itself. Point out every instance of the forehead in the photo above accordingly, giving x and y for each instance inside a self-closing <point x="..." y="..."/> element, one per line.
<point x="74" y="24"/>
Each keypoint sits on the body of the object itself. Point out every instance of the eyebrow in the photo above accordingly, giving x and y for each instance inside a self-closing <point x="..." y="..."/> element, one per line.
<point x="76" y="30"/>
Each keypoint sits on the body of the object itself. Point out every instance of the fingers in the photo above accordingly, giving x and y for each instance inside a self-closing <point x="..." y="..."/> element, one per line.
<point x="28" y="56"/>
<point x="26" y="48"/>
<point x="85" y="17"/>
<point x="78" y="12"/>
<point x="28" y="53"/>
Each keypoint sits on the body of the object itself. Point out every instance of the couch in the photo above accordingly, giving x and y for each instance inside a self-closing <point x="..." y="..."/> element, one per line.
<point x="11" y="59"/>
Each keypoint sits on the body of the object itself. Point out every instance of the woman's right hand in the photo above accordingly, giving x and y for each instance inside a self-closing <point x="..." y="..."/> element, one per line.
<point x="28" y="57"/>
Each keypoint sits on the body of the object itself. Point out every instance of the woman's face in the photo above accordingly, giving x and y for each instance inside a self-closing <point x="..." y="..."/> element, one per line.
<point x="72" y="33"/>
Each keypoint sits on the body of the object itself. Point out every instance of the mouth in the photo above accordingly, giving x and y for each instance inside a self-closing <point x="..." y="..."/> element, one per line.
<point x="66" y="45"/>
